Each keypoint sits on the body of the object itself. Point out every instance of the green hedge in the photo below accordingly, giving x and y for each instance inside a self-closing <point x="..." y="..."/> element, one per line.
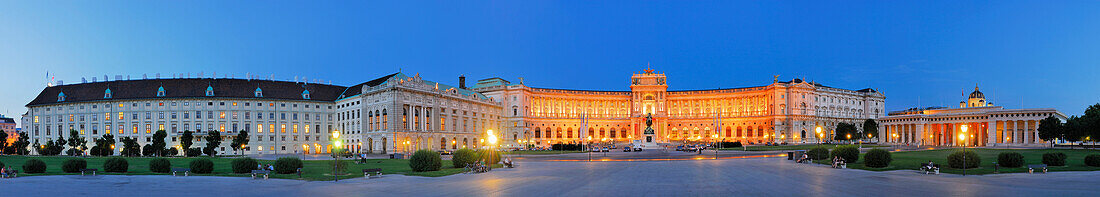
<point x="1054" y="159"/>
<point x="818" y="153"/>
<point x="849" y="153"/>
<point x="955" y="160"/>
<point x="1090" y="160"/>
<point x="202" y="166"/>
<point x="244" y="165"/>
<point x="116" y="164"/>
<point x="34" y="166"/>
<point x="160" y="165"/>
<point x="74" y="165"/>
<point x="425" y="160"/>
<point x="463" y="157"/>
<point x="287" y="165"/>
<point x="1010" y="159"/>
<point x="877" y="158"/>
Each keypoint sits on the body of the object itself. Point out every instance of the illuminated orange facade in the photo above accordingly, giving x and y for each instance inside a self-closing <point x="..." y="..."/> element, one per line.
<point x="786" y="111"/>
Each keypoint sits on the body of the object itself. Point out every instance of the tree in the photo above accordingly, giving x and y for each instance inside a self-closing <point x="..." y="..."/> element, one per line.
<point x="76" y="142"/>
<point x="870" y="128"/>
<point x="38" y="147"/>
<point x="1074" y="129"/>
<point x="1092" y="123"/>
<point x="21" y="144"/>
<point x="158" y="143"/>
<point x="240" y="141"/>
<point x="103" y="145"/>
<point x="1050" y="128"/>
<point x="186" y="140"/>
<point x="843" y="130"/>
<point x="213" y="140"/>
<point x="130" y="147"/>
<point x="3" y="141"/>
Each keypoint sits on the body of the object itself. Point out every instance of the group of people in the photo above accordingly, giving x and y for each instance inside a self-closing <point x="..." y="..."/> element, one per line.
<point x="7" y="172"/>
<point x="265" y="167"/>
<point x="805" y="158"/>
<point x="838" y="162"/>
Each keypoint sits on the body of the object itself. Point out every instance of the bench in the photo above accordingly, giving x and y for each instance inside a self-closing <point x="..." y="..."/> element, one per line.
<point x="11" y="174"/>
<point x="260" y="172"/>
<point x="92" y="170"/>
<point x="1031" y="168"/>
<point x="185" y="171"/>
<point x="375" y="171"/>
<point x="929" y="169"/>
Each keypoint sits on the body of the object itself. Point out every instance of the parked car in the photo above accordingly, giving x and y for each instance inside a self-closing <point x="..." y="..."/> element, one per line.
<point x="605" y="150"/>
<point x="444" y="152"/>
<point x="637" y="149"/>
<point x="627" y="149"/>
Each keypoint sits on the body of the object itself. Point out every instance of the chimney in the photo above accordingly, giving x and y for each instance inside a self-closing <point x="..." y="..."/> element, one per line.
<point x="462" y="81"/>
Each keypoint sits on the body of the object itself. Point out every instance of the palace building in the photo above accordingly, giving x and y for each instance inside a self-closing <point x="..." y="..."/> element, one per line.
<point x="977" y="122"/>
<point x="786" y="111"/>
<point x="400" y="113"/>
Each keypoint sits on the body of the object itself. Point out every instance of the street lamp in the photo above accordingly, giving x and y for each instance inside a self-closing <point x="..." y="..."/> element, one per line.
<point x="820" y="136"/>
<point x="336" y="159"/>
<point x="589" y="148"/>
<point x="492" y="144"/>
<point x="719" y="146"/>
<point x="962" y="138"/>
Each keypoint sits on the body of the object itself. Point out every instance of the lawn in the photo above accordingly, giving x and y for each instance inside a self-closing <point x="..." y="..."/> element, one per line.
<point x="792" y="147"/>
<point x="539" y="152"/>
<point x="911" y="160"/>
<point x="313" y="170"/>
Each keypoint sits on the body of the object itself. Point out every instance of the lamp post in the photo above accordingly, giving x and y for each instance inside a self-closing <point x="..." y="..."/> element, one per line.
<point x="589" y="147"/>
<point x="492" y="145"/>
<point x="335" y="158"/>
<point x="719" y="146"/>
<point x="820" y="136"/>
<point x="962" y="140"/>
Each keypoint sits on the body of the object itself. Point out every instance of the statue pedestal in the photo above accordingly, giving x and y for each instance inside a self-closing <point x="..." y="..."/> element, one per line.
<point x="647" y="142"/>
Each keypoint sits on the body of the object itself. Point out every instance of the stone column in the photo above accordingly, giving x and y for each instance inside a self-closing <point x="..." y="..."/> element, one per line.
<point x="1027" y="129"/>
<point x="918" y="135"/>
<point x="991" y="131"/>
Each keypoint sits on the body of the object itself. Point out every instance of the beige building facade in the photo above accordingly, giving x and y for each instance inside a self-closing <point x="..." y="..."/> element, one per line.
<point x="782" y="111"/>
<point x="977" y="122"/>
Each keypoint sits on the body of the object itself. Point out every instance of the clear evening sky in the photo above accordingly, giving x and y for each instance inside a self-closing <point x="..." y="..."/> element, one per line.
<point x="1023" y="54"/>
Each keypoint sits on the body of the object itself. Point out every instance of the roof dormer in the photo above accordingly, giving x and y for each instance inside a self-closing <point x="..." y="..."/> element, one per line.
<point x="209" y="90"/>
<point x="60" y="96"/>
<point x="305" y="94"/>
<point x="107" y="93"/>
<point x="259" y="92"/>
<point x="160" y="91"/>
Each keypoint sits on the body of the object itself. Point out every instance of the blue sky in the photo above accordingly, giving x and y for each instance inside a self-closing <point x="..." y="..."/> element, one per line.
<point x="1023" y="54"/>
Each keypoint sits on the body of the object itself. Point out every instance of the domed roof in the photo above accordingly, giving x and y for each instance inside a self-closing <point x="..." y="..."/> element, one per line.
<point x="977" y="94"/>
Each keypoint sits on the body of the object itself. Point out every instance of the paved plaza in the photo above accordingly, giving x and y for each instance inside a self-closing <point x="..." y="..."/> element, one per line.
<point x="618" y="174"/>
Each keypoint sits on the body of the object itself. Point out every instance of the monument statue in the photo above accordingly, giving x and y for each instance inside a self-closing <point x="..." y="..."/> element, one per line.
<point x="649" y="123"/>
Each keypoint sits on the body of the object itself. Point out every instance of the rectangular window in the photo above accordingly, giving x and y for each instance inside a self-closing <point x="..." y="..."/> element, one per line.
<point x="221" y="115"/>
<point x="120" y="115"/>
<point x="282" y="128"/>
<point x="307" y="128"/>
<point x="295" y="128"/>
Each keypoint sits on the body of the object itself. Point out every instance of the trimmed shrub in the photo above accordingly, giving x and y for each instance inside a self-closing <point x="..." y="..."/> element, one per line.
<point x="244" y="165"/>
<point x="877" y="158"/>
<point x="849" y="153"/>
<point x="818" y="153"/>
<point x="193" y="152"/>
<point x="74" y="165"/>
<point x="1090" y="160"/>
<point x="34" y="166"/>
<point x="1010" y="159"/>
<point x="172" y="151"/>
<point x="287" y="165"/>
<point x="202" y="166"/>
<point x="160" y="165"/>
<point x="425" y="160"/>
<point x="1054" y="159"/>
<point x="489" y="156"/>
<point x="730" y="144"/>
<point x="116" y="164"/>
<point x="463" y="157"/>
<point x="955" y="160"/>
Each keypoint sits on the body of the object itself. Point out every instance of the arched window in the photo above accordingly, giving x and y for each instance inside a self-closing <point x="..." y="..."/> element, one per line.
<point x="259" y="92"/>
<point x="538" y="132"/>
<point x="160" y="91"/>
<point x="209" y="90"/>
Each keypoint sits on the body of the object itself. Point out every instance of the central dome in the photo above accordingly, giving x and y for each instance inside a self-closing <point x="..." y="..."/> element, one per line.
<point x="976" y="93"/>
